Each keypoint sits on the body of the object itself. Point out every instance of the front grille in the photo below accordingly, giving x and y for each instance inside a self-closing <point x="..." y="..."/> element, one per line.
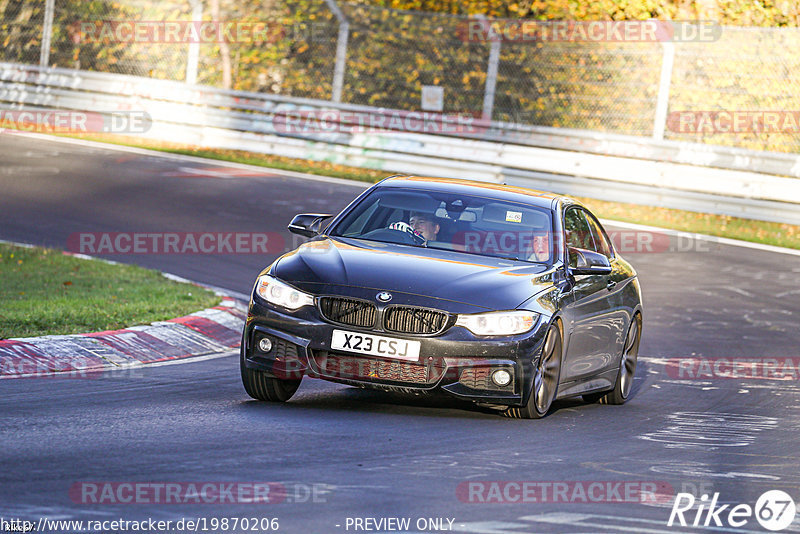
<point x="408" y="320"/>
<point x="480" y="378"/>
<point x="345" y="367"/>
<point x="348" y="311"/>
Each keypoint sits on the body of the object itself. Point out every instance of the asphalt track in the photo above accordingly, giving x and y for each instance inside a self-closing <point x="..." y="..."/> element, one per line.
<point x="345" y="453"/>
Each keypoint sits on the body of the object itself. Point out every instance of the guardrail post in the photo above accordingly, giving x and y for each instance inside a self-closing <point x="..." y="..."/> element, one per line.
<point x="341" y="51"/>
<point x="662" y="104"/>
<point x="47" y="33"/>
<point x="491" y="73"/>
<point x="193" y="56"/>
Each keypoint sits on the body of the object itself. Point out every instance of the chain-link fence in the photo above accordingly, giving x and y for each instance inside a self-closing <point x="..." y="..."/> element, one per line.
<point x="750" y="70"/>
<point x="602" y="86"/>
<point x="387" y="57"/>
<point x="392" y="54"/>
<point x="21" y="25"/>
<point x="76" y="41"/>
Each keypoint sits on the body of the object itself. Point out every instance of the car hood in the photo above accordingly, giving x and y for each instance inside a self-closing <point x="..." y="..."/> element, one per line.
<point x="479" y="281"/>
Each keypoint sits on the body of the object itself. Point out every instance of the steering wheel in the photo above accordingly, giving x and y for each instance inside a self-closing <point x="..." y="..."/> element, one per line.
<point x="405" y="236"/>
<point x="401" y="226"/>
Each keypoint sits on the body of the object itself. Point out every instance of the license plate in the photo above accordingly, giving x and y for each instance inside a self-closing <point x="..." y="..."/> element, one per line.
<point x="387" y="347"/>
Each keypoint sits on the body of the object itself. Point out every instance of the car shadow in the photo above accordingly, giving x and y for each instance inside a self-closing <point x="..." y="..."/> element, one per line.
<point x="639" y="384"/>
<point x="329" y="397"/>
<point x="343" y="398"/>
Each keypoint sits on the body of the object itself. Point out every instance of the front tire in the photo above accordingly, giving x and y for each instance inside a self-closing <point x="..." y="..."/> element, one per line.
<point x="263" y="387"/>
<point x="545" y="380"/>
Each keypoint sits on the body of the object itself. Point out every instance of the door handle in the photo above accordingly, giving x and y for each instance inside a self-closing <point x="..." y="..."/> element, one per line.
<point x="611" y="285"/>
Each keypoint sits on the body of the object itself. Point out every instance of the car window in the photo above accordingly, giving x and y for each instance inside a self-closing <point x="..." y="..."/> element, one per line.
<point x="361" y="221"/>
<point x="600" y="238"/>
<point x="577" y="231"/>
<point x="480" y="225"/>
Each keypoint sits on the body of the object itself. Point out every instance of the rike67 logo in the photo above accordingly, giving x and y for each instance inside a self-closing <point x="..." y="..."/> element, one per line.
<point x="774" y="510"/>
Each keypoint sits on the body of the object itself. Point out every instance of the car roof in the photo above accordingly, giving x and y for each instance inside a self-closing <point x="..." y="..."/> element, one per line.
<point x="473" y="187"/>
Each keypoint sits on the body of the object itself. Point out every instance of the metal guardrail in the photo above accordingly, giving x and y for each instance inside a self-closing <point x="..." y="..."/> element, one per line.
<point x="704" y="178"/>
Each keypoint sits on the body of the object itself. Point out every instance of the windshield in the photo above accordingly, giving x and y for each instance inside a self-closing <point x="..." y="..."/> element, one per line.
<point x="449" y="221"/>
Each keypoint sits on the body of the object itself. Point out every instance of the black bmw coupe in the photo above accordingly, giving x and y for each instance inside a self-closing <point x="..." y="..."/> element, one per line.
<point x="504" y="296"/>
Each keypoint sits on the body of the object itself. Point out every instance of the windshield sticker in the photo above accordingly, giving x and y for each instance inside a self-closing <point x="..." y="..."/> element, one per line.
<point x="514" y="216"/>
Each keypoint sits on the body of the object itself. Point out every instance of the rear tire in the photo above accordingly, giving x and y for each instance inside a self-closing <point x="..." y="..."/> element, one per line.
<point x="545" y="380"/>
<point x="263" y="387"/>
<point x="627" y="368"/>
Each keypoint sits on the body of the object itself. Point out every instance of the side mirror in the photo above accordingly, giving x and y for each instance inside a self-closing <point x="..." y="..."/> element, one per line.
<point x="307" y="224"/>
<point x="583" y="261"/>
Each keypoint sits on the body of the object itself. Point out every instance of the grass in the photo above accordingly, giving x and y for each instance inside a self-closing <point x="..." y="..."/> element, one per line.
<point x="47" y="292"/>
<point x="784" y="235"/>
<point x="770" y="233"/>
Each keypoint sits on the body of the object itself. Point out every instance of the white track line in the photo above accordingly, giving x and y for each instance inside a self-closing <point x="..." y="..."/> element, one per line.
<point x="182" y="360"/>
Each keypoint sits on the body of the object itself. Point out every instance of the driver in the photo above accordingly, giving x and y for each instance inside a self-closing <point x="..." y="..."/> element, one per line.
<point x="421" y="225"/>
<point x="424" y="225"/>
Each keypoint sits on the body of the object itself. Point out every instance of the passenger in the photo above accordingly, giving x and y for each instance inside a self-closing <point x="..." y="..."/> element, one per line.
<point x="541" y="246"/>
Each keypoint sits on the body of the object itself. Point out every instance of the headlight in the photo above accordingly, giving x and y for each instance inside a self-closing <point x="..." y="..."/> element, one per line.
<point x="498" y="323"/>
<point x="278" y="293"/>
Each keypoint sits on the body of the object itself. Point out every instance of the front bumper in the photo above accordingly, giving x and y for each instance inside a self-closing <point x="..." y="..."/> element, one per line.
<point x="455" y="361"/>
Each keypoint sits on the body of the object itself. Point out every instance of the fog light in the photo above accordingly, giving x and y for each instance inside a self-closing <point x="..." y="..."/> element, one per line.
<point x="501" y="377"/>
<point x="265" y="345"/>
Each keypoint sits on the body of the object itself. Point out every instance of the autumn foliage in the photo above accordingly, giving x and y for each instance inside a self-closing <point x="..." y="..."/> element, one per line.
<point x="396" y="46"/>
